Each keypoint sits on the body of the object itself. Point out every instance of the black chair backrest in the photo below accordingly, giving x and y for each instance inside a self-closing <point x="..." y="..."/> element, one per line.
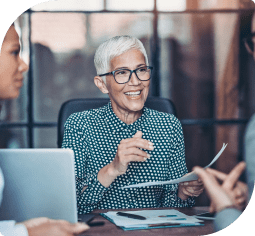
<point x="77" y="105"/>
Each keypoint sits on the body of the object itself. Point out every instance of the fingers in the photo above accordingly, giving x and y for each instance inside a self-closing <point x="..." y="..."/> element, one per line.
<point x="222" y="176"/>
<point x="138" y="134"/>
<point x="66" y="226"/>
<point x="241" y="189"/>
<point x="137" y="141"/>
<point x="135" y="154"/>
<point x="36" y="221"/>
<point x="192" y="192"/>
<point x="218" y="174"/>
<point x="130" y="149"/>
<point x="217" y="194"/>
<point x="233" y="176"/>
<point x="212" y="207"/>
<point x="78" y="228"/>
<point x="193" y="183"/>
<point x="131" y="154"/>
<point x="194" y="188"/>
<point x="191" y="188"/>
<point x="240" y="195"/>
<point x="209" y="182"/>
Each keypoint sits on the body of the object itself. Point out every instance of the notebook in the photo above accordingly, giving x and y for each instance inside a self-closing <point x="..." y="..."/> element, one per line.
<point x="38" y="183"/>
<point x="152" y="219"/>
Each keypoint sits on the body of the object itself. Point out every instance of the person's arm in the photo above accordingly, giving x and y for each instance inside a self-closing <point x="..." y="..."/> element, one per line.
<point x="249" y="150"/>
<point x="225" y="217"/>
<point x="177" y="168"/>
<point x="46" y="226"/>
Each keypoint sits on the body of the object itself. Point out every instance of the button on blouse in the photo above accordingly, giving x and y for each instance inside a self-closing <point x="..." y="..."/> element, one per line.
<point x="94" y="136"/>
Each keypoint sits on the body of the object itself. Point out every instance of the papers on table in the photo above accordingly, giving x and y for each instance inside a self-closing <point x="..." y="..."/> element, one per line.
<point x="154" y="219"/>
<point x="188" y="177"/>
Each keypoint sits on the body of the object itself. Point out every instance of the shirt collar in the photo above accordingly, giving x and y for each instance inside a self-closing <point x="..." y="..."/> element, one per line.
<point x="118" y="125"/>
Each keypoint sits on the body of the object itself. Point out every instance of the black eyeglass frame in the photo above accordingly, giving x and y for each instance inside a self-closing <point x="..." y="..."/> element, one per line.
<point x="131" y="72"/>
<point x="245" y="40"/>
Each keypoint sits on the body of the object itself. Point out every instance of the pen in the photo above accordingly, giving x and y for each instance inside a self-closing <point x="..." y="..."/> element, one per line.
<point x="168" y="216"/>
<point x="164" y="224"/>
<point x="133" y="216"/>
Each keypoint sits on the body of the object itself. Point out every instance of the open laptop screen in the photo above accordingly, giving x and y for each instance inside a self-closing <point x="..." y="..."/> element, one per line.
<point x="38" y="183"/>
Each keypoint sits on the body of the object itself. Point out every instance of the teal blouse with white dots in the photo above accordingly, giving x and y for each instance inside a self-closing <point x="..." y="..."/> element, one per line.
<point x="94" y="136"/>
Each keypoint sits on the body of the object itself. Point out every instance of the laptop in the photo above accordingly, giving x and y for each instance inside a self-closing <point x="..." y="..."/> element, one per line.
<point x="38" y="183"/>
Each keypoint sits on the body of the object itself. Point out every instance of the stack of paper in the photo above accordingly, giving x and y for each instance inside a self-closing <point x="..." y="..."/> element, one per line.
<point x="154" y="219"/>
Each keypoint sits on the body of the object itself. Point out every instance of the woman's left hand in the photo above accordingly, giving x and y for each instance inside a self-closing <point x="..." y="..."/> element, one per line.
<point x="190" y="189"/>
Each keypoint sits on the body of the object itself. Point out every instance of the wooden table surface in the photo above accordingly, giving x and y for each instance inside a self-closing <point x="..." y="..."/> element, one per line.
<point x="110" y="229"/>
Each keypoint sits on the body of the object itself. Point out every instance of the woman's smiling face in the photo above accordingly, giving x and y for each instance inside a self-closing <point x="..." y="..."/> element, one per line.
<point x="131" y="96"/>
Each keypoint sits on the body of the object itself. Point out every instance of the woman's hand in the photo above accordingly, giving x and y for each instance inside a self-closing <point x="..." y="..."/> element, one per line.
<point x="237" y="190"/>
<point x="223" y="195"/>
<point x="128" y="150"/>
<point x="46" y="226"/>
<point x="190" y="189"/>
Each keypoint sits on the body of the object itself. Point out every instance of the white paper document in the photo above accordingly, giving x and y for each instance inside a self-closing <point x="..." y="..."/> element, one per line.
<point x="188" y="177"/>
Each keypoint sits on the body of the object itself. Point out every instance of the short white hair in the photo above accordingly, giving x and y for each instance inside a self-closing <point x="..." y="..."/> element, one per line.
<point x="114" y="47"/>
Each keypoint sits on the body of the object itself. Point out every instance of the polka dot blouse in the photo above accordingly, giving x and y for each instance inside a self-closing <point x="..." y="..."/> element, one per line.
<point x="94" y="136"/>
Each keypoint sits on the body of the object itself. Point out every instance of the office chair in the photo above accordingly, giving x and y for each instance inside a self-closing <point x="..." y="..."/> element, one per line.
<point x="77" y="105"/>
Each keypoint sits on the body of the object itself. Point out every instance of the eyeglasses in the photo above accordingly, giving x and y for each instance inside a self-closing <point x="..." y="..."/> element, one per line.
<point x="249" y="45"/>
<point x="122" y="76"/>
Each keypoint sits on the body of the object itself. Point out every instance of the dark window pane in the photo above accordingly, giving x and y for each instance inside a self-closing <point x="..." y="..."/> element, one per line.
<point x="13" y="138"/>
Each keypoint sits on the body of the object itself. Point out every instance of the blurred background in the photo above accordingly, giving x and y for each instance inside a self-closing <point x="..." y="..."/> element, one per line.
<point x="195" y="47"/>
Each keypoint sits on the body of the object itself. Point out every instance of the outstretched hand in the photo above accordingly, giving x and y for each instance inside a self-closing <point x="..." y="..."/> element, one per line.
<point x="46" y="226"/>
<point x="237" y="190"/>
<point x="230" y="192"/>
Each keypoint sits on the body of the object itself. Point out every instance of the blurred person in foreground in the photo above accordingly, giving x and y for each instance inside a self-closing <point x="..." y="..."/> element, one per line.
<point x="249" y="140"/>
<point x="12" y="68"/>
<point x="222" y="196"/>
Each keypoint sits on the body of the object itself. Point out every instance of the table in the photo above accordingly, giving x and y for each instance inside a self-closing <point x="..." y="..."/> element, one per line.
<point x="110" y="229"/>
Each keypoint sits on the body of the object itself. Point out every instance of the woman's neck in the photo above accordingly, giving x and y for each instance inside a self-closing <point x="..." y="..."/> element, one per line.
<point x="126" y="116"/>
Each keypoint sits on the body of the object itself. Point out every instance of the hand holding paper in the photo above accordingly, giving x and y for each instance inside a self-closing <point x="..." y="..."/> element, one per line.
<point x="188" y="177"/>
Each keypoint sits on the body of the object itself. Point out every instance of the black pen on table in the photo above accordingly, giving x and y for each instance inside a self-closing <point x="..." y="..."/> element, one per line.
<point x="132" y="216"/>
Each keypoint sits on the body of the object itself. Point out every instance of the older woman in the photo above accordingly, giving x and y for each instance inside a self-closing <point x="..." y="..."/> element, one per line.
<point x="124" y="142"/>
